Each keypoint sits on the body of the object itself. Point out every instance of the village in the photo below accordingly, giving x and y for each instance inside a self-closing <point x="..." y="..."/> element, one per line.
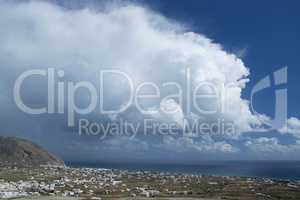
<point x="87" y="183"/>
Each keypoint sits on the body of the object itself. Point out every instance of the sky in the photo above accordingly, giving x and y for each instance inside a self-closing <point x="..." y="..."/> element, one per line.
<point x="225" y="47"/>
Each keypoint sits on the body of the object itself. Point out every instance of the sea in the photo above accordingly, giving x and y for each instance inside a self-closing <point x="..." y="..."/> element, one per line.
<point x="277" y="170"/>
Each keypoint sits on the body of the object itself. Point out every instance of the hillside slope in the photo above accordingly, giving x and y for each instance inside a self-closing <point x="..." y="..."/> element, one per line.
<point x="21" y="152"/>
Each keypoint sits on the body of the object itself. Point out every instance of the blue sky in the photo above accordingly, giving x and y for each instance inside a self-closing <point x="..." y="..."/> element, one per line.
<point x="265" y="31"/>
<point x="153" y="41"/>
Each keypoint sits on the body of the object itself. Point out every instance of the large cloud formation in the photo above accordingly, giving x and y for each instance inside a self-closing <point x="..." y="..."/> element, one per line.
<point x="140" y="42"/>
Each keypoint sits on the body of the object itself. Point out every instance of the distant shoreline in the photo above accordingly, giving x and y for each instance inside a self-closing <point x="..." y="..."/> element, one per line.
<point x="275" y="170"/>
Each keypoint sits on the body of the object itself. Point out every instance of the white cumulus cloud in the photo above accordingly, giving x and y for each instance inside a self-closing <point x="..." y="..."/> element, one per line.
<point x="186" y="144"/>
<point x="292" y="127"/>
<point x="140" y="42"/>
<point x="264" y="146"/>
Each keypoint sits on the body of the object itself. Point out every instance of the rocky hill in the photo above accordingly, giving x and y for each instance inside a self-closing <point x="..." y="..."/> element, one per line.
<point x="23" y="153"/>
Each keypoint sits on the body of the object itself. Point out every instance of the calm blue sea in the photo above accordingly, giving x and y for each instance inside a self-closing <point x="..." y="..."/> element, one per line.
<point x="263" y="169"/>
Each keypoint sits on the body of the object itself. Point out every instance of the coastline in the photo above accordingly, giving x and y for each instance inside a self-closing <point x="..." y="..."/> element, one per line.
<point x="275" y="170"/>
